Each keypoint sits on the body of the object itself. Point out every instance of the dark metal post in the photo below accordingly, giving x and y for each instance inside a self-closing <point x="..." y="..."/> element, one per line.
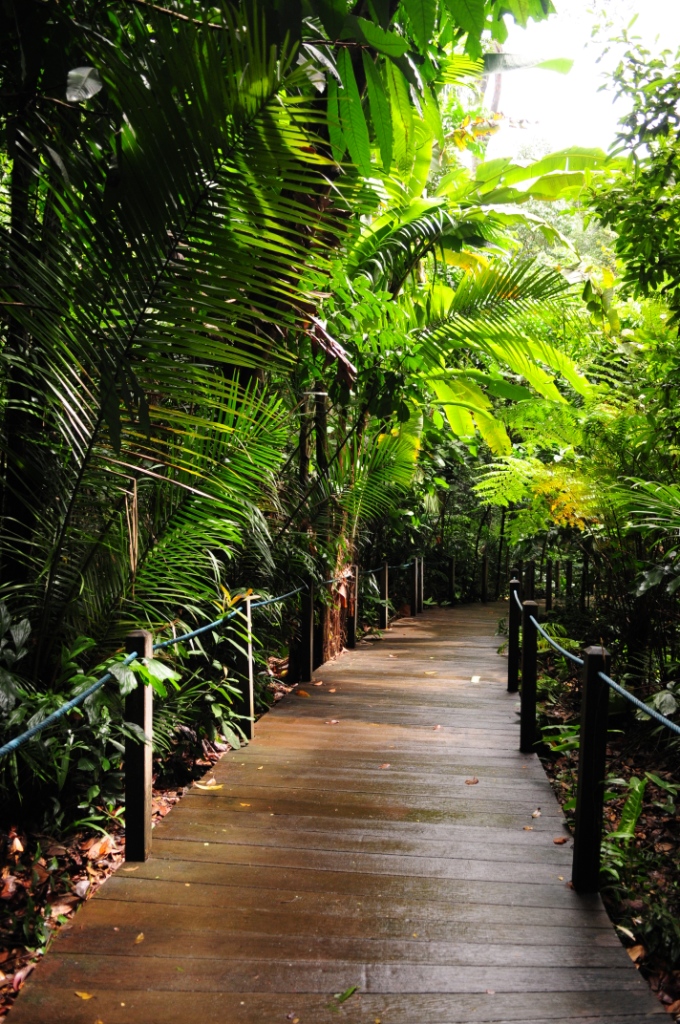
<point x="548" y="585"/>
<point x="527" y="727"/>
<point x="514" y="619"/>
<point x="558" y="568"/>
<point x="138" y="711"/>
<point x="421" y="585"/>
<point x="307" y="634"/>
<point x="485" y="577"/>
<point x="530" y="588"/>
<point x="384" y="616"/>
<point x="352" y="608"/>
<point x="569" y="580"/>
<point x="452" y="580"/>
<point x="591" y="771"/>
<point x="246" y="704"/>
<point x="519" y="574"/>
<point x="584" y="585"/>
<point x="414" y="586"/>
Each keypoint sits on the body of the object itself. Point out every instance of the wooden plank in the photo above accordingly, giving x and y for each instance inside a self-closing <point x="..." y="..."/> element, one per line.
<point x="312" y="869"/>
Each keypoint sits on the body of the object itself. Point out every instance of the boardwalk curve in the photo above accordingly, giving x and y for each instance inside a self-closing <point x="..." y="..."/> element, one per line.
<point x="349" y="846"/>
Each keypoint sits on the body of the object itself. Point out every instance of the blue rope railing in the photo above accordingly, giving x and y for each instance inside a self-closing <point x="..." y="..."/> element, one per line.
<point x="640" y="705"/>
<point x="673" y="726"/>
<point x="18" y="741"/>
<point x="553" y="643"/>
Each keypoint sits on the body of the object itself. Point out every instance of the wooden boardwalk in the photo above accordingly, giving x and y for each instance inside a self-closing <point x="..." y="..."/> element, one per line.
<point x="346" y="847"/>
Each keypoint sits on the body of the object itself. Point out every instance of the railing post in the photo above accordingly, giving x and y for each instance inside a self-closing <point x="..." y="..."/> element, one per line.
<point x="414" y="586"/>
<point x="591" y="771"/>
<point x="421" y="586"/>
<point x="307" y="633"/>
<point x="558" y="568"/>
<point x="530" y="588"/>
<point x="353" y="608"/>
<point x="245" y="670"/>
<point x="384" y="616"/>
<point x="548" y="585"/>
<point x="452" y="580"/>
<point x="514" y="617"/>
<point x="485" y="577"/>
<point x="138" y="711"/>
<point x="569" y="580"/>
<point x="527" y="725"/>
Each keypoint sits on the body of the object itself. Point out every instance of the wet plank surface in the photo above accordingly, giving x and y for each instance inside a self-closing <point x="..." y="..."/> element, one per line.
<point x="345" y="847"/>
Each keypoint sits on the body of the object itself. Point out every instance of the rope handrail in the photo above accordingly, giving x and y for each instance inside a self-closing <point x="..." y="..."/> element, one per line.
<point x="673" y="726"/>
<point x="372" y="572"/>
<point x="518" y="600"/>
<point x="18" y="741"/>
<point x="553" y="643"/>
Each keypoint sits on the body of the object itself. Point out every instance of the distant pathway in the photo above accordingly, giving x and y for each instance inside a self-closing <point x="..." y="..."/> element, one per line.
<point x="345" y="847"/>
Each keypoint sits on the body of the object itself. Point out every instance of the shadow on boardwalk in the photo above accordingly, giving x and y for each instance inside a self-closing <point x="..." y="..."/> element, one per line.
<point x="350" y="846"/>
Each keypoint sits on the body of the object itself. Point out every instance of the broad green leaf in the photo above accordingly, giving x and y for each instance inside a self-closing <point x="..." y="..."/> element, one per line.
<point x="402" y="119"/>
<point x="470" y="16"/>
<point x="421" y="14"/>
<point x="494" y="433"/>
<point x="337" y="139"/>
<point x="332" y="14"/>
<point x="423" y="160"/>
<point x="556" y="185"/>
<point x="127" y="680"/>
<point x="366" y="31"/>
<point x="354" y="127"/>
<point x="562" y="65"/>
<point x="380" y="110"/>
<point x="564" y="365"/>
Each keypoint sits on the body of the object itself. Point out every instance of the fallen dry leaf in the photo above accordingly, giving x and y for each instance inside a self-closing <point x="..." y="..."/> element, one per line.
<point x="528" y="828"/>
<point x="101" y="848"/>
<point x="59" y="909"/>
<point x="84" y="995"/>
<point x="245" y="805"/>
<point x="20" y="976"/>
<point x="437" y="727"/>
<point x="332" y="689"/>
<point x="636" y="953"/>
<point x="208" y="785"/>
<point x="474" y="781"/>
<point x="475" y="679"/>
<point x="302" y="693"/>
<point x="16" y="846"/>
<point x="536" y="813"/>
<point x="140" y="938"/>
<point x="8" y="888"/>
<point x="333" y="721"/>
<point x="82" y="888"/>
<point x="318" y="682"/>
<point x="386" y="765"/>
<point x="560" y="841"/>
<point x="430" y="673"/>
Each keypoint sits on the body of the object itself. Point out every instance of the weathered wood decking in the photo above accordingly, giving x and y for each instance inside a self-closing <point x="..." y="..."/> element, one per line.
<point x="356" y="854"/>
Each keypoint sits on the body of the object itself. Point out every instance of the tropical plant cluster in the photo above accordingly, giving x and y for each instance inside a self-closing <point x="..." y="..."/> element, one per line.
<point x="267" y="312"/>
